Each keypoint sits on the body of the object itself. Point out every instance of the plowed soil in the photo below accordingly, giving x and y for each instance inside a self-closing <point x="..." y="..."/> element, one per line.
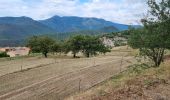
<point x="56" y="79"/>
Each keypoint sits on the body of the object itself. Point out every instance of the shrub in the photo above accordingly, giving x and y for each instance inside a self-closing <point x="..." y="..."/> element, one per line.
<point x="3" y="54"/>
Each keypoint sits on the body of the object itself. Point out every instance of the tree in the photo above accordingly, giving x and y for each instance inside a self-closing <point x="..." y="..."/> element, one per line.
<point x="92" y="46"/>
<point x="88" y="45"/>
<point x="41" y="44"/>
<point x="33" y="44"/>
<point x="104" y="49"/>
<point x="154" y="38"/>
<point x="55" y="47"/>
<point x="74" y="44"/>
<point x="58" y="47"/>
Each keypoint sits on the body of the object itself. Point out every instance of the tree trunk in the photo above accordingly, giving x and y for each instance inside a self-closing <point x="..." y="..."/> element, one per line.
<point x="159" y="57"/>
<point x="88" y="55"/>
<point x="45" y="54"/>
<point x="74" y="55"/>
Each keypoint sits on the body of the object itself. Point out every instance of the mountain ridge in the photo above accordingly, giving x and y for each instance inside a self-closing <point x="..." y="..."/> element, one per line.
<point x="20" y="28"/>
<point x="74" y="23"/>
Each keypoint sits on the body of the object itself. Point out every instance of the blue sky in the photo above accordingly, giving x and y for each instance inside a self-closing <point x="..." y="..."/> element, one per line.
<point x="121" y="11"/>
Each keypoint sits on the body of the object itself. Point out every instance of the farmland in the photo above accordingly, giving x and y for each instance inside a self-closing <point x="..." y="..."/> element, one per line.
<point x="141" y="83"/>
<point x="55" y="77"/>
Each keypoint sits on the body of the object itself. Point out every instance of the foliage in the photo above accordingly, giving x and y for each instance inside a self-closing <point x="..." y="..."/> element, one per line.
<point x="125" y="34"/>
<point x="88" y="45"/>
<point x="138" y="68"/>
<point x="55" y="47"/>
<point x="154" y="38"/>
<point x="93" y="45"/>
<point x="58" y="47"/>
<point x="3" y="54"/>
<point x="40" y="44"/>
<point x="74" y="44"/>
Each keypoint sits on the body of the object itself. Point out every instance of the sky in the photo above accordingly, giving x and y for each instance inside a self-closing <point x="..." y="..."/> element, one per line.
<point x="120" y="11"/>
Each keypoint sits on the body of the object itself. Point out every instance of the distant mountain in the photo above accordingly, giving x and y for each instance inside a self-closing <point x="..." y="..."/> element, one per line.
<point x="21" y="27"/>
<point x="14" y="30"/>
<point x="72" y="24"/>
<point x="108" y="29"/>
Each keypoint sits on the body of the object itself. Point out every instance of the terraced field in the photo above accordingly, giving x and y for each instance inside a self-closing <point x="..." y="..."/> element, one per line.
<point x="51" y="79"/>
<point x="11" y="66"/>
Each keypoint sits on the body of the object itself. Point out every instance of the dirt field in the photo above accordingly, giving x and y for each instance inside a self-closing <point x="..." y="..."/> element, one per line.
<point x="57" y="78"/>
<point x="7" y="67"/>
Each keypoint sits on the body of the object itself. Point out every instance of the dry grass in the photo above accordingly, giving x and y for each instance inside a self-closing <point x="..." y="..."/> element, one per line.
<point x="58" y="79"/>
<point x="145" y="84"/>
<point x="10" y="65"/>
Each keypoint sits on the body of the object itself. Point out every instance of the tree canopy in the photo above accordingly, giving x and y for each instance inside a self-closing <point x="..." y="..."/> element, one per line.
<point x="41" y="44"/>
<point x="92" y="46"/>
<point x="88" y="45"/>
<point x="154" y="38"/>
<point x="74" y="44"/>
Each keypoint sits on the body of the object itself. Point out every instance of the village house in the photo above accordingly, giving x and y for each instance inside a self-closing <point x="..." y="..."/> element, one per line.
<point x="15" y="51"/>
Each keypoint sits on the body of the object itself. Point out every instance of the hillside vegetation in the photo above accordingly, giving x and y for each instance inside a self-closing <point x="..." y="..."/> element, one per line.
<point x="139" y="82"/>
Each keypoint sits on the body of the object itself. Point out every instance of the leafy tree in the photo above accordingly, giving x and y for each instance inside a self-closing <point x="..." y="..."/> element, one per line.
<point x="103" y="49"/>
<point x="154" y="38"/>
<point x="41" y="44"/>
<point x="33" y="43"/>
<point x="58" y="47"/>
<point x="92" y="46"/>
<point x="55" y="47"/>
<point x="74" y="44"/>
<point x="88" y="45"/>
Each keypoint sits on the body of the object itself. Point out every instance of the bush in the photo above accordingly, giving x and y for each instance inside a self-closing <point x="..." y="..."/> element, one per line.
<point x="3" y="54"/>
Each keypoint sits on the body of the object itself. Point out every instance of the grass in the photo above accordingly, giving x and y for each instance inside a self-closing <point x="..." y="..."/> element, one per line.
<point x="10" y="65"/>
<point x="20" y="57"/>
<point x="137" y="79"/>
<point x="167" y="52"/>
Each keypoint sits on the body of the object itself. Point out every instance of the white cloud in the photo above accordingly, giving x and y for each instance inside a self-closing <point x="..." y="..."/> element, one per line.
<point x="122" y="11"/>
